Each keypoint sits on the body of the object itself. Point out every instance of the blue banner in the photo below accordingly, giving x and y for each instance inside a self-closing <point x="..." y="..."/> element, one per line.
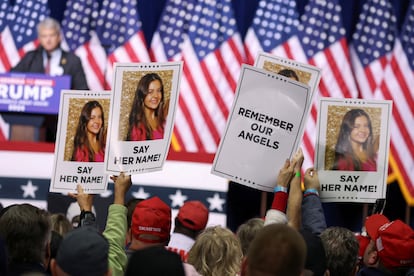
<point x="31" y="93"/>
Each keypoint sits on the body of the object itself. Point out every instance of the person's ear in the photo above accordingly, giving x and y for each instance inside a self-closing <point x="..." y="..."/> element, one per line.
<point x="372" y="258"/>
<point x="47" y="255"/>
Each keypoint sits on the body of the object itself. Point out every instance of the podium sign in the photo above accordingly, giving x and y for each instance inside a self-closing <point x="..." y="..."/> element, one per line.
<point x="31" y="93"/>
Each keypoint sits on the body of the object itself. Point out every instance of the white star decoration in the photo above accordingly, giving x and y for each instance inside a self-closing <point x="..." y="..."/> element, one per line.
<point x="106" y="194"/>
<point x="177" y="199"/>
<point x="141" y="194"/>
<point x="216" y="202"/>
<point x="29" y="189"/>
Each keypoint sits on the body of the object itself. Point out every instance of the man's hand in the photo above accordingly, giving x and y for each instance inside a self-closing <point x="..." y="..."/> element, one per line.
<point x="122" y="183"/>
<point x="85" y="201"/>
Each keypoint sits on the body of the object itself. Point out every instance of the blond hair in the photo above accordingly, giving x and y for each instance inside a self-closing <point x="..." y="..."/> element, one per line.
<point x="216" y="252"/>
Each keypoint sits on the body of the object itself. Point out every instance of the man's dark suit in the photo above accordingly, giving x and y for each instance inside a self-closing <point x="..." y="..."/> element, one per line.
<point x="32" y="62"/>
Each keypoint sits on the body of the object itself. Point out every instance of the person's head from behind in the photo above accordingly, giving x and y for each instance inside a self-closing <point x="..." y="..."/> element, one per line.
<point x="289" y="73"/>
<point x="391" y="245"/>
<point x="192" y="218"/>
<point x="154" y="260"/>
<point x="277" y="249"/>
<point x="355" y="128"/>
<point x="341" y="248"/>
<point x="60" y="223"/>
<point x="247" y="231"/>
<point x="49" y="34"/>
<point x="151" y="223"/>
<point x="26" y="230"/>
<point x="216" y="251"/>
<point x="83" y="251"/>
<point x="315" y="264"/>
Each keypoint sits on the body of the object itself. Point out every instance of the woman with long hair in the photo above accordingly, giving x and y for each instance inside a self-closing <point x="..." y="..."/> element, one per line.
<point x="355" y="148"/>
<point x="147" y="119"/>
<point x="90" y="137"/>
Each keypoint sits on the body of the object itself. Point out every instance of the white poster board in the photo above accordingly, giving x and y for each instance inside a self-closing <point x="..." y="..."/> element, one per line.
<point x="264" y="128"/>
<point x="302" y="72"/>
<point x="82" y="114"/>
<point x="352" y="149"/>
<point x="143" y="145"/>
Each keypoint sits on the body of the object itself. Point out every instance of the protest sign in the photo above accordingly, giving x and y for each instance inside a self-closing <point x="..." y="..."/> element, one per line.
<point x="80" y="142"/>
<point x="352" y="149"/>
<point x="264" y="128"/>
<point x="143" y="106"/>
<point x="302" y="72"/>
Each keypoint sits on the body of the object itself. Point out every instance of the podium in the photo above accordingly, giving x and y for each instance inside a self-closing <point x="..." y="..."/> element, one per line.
<point x="28" y="101"/>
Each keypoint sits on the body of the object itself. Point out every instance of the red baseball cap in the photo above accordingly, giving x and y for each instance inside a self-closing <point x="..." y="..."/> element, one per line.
<point x="151" y="221"/>
<point x="193" y="215"/>
<point x="394" y="241"/>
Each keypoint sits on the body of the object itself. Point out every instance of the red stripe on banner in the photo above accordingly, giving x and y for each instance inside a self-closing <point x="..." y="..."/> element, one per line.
<point x="397" y="117"/>
<point x="288" y="50"/>
<point x="249" y="57"/>
<point x="402" y="83"/>
<point x="370" y="79"/>
<point x="4" y="58"/>
<point x="227" y="74"/>
<point x="214" y="90"/>
<point x="236" y="53"/>
<point x="337" y="73"/>
<point x="131" y="53"/>
<point x="200" y="103"/>
<point x="27" y="146"/>
<point x="187" y="115"/>
<point x="92" y="62"/>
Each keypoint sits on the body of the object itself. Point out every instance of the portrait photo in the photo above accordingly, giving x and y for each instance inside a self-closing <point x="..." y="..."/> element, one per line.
<point x="86" y="130"/>
<point x="145" y="103"/>
<point x="352" y="138"/>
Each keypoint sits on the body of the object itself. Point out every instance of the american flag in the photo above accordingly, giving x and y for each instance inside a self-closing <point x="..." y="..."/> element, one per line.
<point x="119" y="30"/>
<point x="4" y="33"/>
<point x="387" y="73"/>
<point x="212" y="52"/>
<point x="323" y="40"/>
<point x="24" y="17"/>
<point x="78" y="27"/>
<point x="274" y="30"/>
<point x="166" y="45"/>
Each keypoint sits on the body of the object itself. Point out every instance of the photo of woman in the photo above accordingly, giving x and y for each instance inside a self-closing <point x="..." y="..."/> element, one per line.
<point x="356" y="149"/>
<point x="90" y="136"/>
<point x="147" y="116"/>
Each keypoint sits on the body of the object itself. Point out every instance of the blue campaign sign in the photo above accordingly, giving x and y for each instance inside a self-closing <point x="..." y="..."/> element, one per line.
<point x="31" y="93"/>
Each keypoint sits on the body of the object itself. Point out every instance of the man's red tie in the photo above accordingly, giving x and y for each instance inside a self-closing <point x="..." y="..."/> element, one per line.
<point x="47" y="67"/>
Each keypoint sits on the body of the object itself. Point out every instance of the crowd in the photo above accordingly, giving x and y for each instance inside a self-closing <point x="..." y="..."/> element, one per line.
<point x="138" y="239"/>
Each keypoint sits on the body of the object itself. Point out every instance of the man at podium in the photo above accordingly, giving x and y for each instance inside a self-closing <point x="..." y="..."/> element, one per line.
<point x="49" y="58"/>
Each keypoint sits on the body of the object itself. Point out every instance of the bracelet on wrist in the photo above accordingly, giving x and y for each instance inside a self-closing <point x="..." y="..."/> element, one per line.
<point x="297" y="174"/>
<point x="279" y="188"/>
<point x="311" y="191"/>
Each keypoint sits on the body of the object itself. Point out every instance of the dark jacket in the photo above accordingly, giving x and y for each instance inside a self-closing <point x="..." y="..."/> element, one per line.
<point x="32" y="62"/>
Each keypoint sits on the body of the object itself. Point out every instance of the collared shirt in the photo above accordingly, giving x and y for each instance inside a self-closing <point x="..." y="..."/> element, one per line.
<point x="55" y="68"/>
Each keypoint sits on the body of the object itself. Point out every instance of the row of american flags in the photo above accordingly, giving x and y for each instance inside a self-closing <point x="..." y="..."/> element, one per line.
<point x="376" y="63"/>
